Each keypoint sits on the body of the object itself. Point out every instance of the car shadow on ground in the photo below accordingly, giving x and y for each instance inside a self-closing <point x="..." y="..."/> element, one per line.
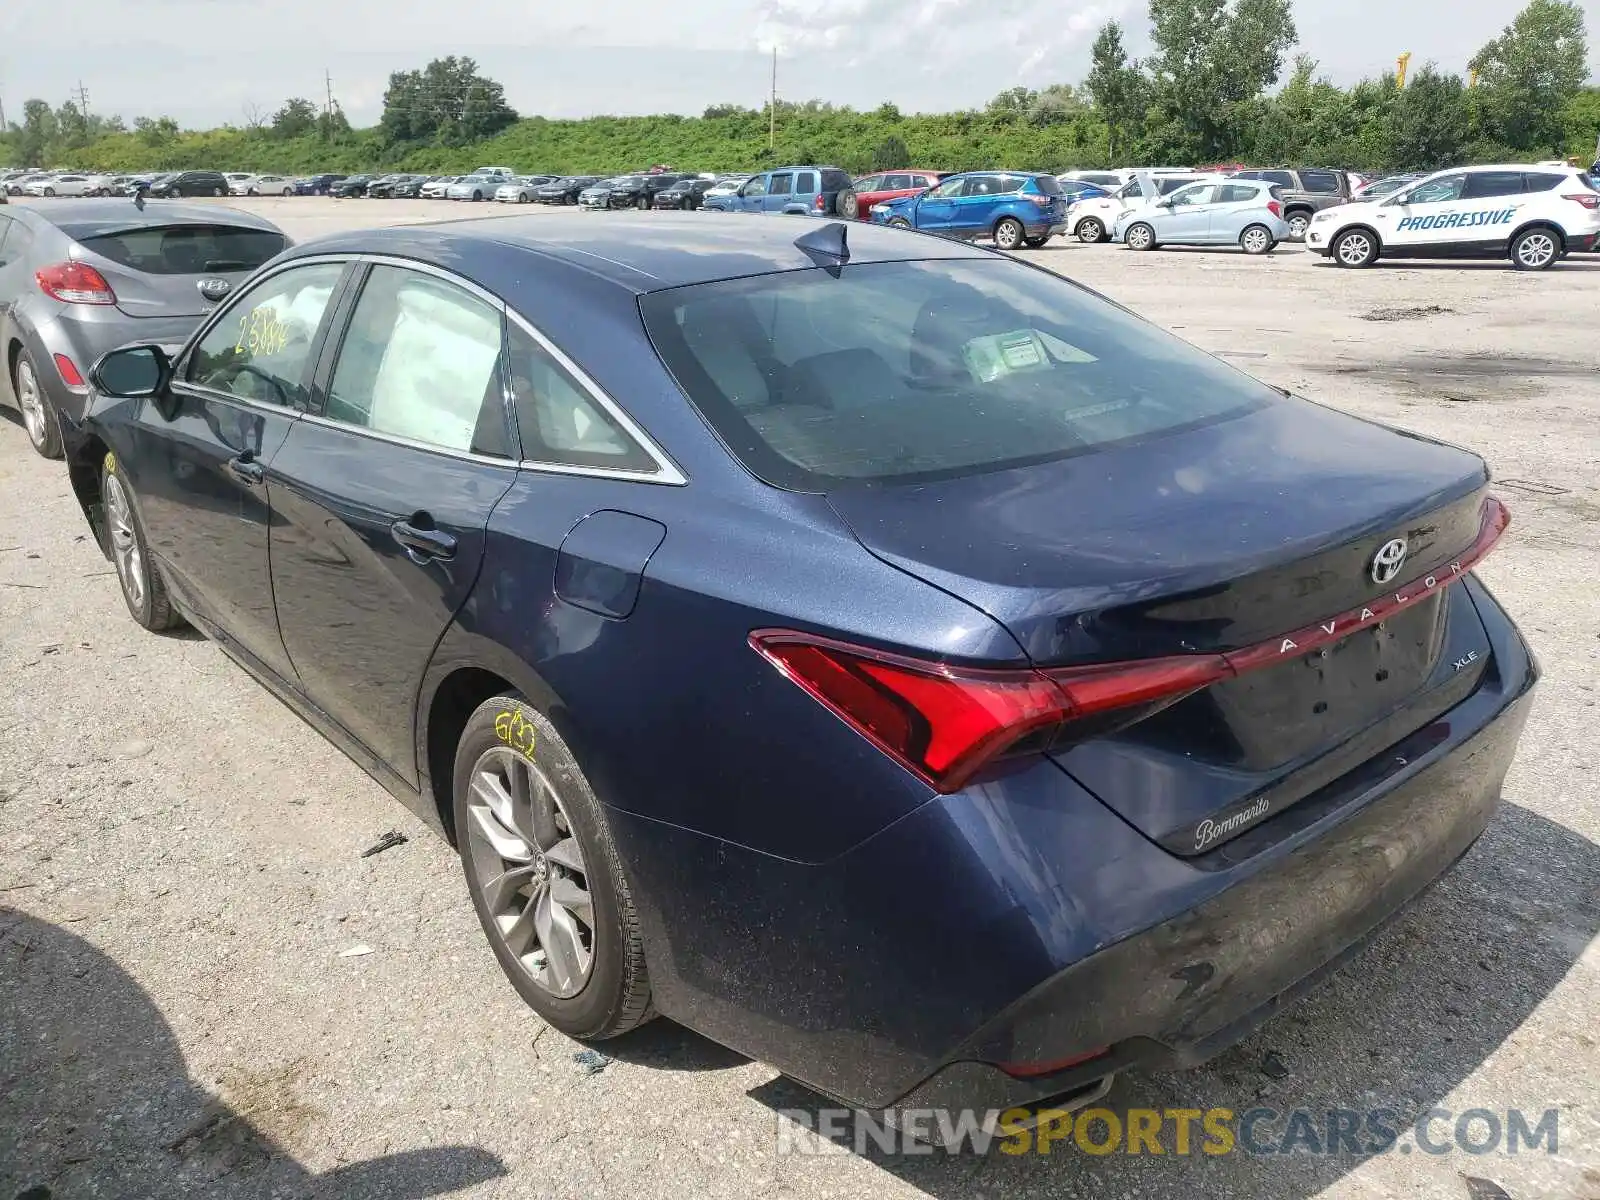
<point x="1400" y="1027"/>
<point x="95" y="1099"/>
<point x="664" y="1045"/>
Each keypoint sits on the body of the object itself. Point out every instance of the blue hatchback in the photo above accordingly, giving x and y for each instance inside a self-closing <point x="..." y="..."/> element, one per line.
<point x="1014" y="208"/>
<point x="887" y="658"/>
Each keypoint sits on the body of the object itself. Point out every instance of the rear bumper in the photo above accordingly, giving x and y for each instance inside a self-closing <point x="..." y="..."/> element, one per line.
<point x="1022" y="923"/>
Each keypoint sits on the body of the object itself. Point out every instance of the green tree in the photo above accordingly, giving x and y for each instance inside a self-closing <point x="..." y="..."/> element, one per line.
<point x="716" y="112"/>
<point x="1116" y="85"/>
<point x="1527" y="75"/>
<point x="156" y="132"/>
<point x="890" y="154"/>
<point x="1429" y="122"/>
<point x="36" y="138"/>
<point x="296" y="118"/>
<point x="1210" y="62"/>
<point x="332" y="124"/>
<point x="447" y="102"/>
<point x="1055" y="105"/>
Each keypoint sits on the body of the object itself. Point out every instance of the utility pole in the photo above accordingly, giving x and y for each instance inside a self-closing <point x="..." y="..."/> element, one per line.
<point x="328" y="79"/>
<point x="83" y="100"/>
<point x="772" y="106"/>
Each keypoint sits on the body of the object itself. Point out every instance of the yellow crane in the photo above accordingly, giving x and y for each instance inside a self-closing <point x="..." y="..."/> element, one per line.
<point x="1400" y="65"/>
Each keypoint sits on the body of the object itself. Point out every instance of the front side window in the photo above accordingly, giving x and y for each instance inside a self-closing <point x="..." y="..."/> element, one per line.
<point x="421" y="361"/>
<point x="949" y="188"/>
<point x="560" y="423"/>
<point x="755" y="189"/>
<point x="899" y="371"/>
<point x="261" y="348"/>
<point x="1202" y="193"/>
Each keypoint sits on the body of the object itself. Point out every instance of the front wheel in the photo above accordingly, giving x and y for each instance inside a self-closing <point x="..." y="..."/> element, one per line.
<point x="218" y="192"/>
<point x="1298" y="223"/>
<point x="1140" y="237"/>
<point x="524" y="198"/>
<point x="1534" y="249"/>
<point x="899" y="223"/>
<point x="288" y="191"/>
<point x="544" y="874"/>
<point x="642" y="203"/>
<point x="1256" y="239"/>
<point x="1091" y="230"/>
<point x="1008" y="233"/>
<point x="1355" y="248"/>
<point x="49" y="191"/>
<point x="143" y="589"/>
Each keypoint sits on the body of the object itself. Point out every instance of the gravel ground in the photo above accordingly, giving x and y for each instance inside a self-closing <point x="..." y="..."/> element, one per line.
<point x="180" y="870"/>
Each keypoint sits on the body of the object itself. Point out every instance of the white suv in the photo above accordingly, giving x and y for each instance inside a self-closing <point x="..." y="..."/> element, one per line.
<point x="1532" y="214"/>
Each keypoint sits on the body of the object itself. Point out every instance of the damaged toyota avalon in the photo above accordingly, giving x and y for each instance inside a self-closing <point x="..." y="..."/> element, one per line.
<point x="883" y="656"/>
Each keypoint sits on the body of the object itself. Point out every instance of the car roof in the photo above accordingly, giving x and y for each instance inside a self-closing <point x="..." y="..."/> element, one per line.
<point x="671" y="250"/>
<point x="89" y="217"/>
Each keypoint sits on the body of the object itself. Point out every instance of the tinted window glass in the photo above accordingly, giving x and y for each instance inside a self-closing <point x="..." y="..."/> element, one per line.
<point x="1482" y="184"/>
<point x="421" y="361"/>
<point x="187" y="249"/>
<point x="805" y="183"/>
<point x="1437" y="191"/>
<point x="1542" y="181"/>
<point x="1324" y="182"/>
<point x="896" y="183"/>
<point x="899" y="370"/>
<point x="780" y="184"/>
<point x="1237" y="193"/>
<point x="1048" y="184"/>
<point x="261" y="348"/>
<point x="872" y="183"/>
<point x="1166" y="187"/>
<point x="560" y="422"/>
<point x="950" y="187"/>
<point x="1281" y="178"/>
<point x="987" y="185"/>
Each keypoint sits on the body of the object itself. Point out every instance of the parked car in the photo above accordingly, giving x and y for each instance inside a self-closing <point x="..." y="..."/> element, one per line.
<point x="805" y="191"/>
<point x="687" y="193"/>
<point x="134" y="184"/>
<point x="522" y="191"/>
<point x="1110" y="181"/>
<point x="1014" y="208"/>
<point x="727" y="185"/>
<point x="495" y="172"/>
<point x="397" y="187"/>
<point x="315" y="185"/>
<point x="60" y="185"/>
<point x="1090" y="781"/>
<point x="1091" y="218"/>
<point x="78" y="280"/>
<point x="270" y="185"/>
<point x="190" y="183"/>
<point x="105" y="185"/>
<point x="234" y="177"/>
<point x="565" y="190"/>
<point x="1533" y="215"/>
<point x="351" y="187"/>
<point x="856" y="202"/>
<point x="1076" y="189"/>
<point x="1385" y="186"/>
<point x="17" y="185"/>
<point x="473" y="187"/>
<point x="1305" y="192"/>
<point x="435" y="188"/>
<point x="1247" y="213"/>
<point x="638" y="191"/>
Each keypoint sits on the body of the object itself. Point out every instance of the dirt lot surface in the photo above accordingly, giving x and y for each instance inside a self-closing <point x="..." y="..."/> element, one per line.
<point x="181" y="879"/>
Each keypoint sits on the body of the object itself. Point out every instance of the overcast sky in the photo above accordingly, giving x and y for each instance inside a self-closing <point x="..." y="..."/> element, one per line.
<point x="204" y="61"/>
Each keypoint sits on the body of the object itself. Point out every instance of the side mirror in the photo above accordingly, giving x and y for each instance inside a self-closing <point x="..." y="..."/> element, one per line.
<point x="134" y="372"/>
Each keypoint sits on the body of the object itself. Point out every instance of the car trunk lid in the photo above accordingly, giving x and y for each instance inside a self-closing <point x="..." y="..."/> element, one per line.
<point x="1255" y="539"/>
<point x="156" y="270"/>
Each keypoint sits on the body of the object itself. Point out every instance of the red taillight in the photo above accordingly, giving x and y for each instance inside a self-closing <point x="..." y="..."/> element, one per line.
<point x="946" y="723"/>
<point x="75" y="283"/>
<point x="821" y="204"/>
<point x="1031" y="1070"/>
<point x="70" y="374"/>
<point x="1041" y="201"/>
<point x="1275" y="208"/>
<point x="1589" y="200"/>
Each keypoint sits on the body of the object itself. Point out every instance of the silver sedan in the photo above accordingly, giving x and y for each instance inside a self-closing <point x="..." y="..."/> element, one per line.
<point x="1230" y="212"/>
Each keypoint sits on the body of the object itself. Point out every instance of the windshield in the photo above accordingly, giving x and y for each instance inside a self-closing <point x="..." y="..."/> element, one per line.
<point x="899" y="371"/>
<point x="183" y="249"/>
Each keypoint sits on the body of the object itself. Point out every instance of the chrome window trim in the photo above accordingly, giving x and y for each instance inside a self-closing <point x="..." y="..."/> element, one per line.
<point x="668" y="472"/>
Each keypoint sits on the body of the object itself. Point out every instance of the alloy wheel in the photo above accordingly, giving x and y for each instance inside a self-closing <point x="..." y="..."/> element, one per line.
<point x="31" y="402"/>
<point x="1298" y="224"/>
<point x="125" y="552"/>
<point x="1008" y="235"/>
<point x="1354" y="249"/>
<point x="1139" y="237"/>
<point x="1090" y="230"/>
<point x="1256" y="240"/>
<point x="1536" y="249"/>
<point x="530" y="871"/>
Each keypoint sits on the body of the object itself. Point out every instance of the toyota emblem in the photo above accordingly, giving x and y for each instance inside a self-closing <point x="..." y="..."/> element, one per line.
<point x="1386" y="563"/>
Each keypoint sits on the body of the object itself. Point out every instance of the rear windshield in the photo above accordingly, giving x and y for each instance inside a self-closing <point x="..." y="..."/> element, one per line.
<point x="185" y="249"/>
<point x="1048" y="184"/>
<point x="916" y="370"/>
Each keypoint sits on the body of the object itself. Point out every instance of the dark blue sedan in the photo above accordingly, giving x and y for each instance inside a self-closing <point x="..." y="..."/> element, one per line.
<point x="881" y="655"/>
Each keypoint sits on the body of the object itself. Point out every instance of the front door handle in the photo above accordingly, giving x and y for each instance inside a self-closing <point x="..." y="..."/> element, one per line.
<point x="422" y="542"/>
<point x="246" y="470"/>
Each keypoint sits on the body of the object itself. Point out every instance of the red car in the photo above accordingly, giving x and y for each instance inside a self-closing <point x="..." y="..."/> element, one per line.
<point x="856" y="204"/>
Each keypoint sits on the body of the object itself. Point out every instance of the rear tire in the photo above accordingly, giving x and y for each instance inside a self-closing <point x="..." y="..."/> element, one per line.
<point x="511" y="759"/>
<point x="1091" y="230"/>
<point x="1355" y="248"/>
<point x="1298" y="222"/>
<point x="1256" y="239"/>
<point x="49" y="191"/>
<point x="1033" y="243"/>
<point x="218" y="192"/>
<point x="38" y="414"/>
<point x="1008" y="233"/>
<point x="848" y="204"/>
<point x="143" y="589"/>
<point x="1535" y="249"/>
<point x="288" y="191"/>
<point x="1140" y="237"/>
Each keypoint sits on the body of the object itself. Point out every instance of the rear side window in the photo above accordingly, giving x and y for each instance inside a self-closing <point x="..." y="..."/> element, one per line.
<point x="1281" y="178"/>
<point x="1048" y="184"/>
<point x="1483" y="184"/>
<point x="185" y="249"/>
<point x="1543" y="181"/>
<point x="1322" y="182"/>
<point x="421" y="361"/>
<point x="560" y="422"/>
<point x="805" y="183"/>
<point x="1237" y="193"/>
<point x="907" y="370"/>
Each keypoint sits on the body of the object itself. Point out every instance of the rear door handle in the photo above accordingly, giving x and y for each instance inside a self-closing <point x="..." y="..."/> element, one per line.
<point x="423" y="543"/>
<point x="246" y="470"/>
